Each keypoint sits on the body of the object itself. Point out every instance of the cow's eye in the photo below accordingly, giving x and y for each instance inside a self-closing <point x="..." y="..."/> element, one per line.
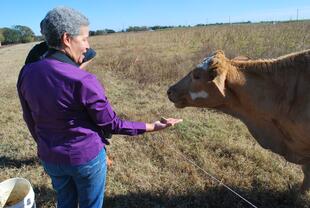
<point x="196" y="76"/>
<point x="212" y="74"/>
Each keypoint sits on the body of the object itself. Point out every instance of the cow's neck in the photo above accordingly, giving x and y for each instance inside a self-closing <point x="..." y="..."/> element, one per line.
<point x="246" y="86"/>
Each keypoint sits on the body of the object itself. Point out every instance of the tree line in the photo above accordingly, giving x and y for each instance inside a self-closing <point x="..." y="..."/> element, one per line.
<point x="16" y="34"/>
<point x="133" y="29"/>
<point x="23" y="34"/>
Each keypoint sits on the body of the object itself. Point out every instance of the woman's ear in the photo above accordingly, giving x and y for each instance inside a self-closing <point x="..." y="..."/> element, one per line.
<point x="66" y="39"/>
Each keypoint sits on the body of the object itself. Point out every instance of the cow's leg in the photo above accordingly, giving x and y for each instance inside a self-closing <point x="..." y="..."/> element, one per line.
<point x="306" y="183"/>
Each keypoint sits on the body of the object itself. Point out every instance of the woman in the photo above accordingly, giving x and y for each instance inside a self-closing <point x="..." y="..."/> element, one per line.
<point x="68" y="114"/>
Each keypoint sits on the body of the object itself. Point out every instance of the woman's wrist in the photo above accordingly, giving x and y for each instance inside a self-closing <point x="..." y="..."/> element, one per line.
<point x="149" y="127"/>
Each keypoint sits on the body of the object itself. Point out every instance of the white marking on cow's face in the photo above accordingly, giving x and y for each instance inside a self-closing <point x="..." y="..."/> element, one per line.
<point x="205" y="63"/>
<point x="200" y="94"/>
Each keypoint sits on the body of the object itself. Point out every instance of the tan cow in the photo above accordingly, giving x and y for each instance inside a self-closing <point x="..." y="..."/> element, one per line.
<point x="272" y="97"/>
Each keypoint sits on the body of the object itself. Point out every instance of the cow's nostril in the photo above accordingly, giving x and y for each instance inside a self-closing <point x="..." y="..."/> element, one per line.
<point x="169" y="92"/>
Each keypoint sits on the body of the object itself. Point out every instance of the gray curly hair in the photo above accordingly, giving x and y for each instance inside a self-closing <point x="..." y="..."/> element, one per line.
<point x="60" y="20"/>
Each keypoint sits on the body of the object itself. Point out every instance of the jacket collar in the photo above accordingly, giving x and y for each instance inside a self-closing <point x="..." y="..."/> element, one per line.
<point x="60" y="56"/>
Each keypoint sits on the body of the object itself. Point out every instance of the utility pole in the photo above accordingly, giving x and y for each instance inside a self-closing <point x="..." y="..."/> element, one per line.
<point x="297" y="15"/>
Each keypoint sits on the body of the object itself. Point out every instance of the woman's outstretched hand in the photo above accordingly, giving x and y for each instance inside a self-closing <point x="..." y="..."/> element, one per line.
<point x="162" y="124"/>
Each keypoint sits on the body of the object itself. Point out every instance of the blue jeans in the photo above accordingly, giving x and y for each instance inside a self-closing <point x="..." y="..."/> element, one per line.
<point x="82" y="185"/>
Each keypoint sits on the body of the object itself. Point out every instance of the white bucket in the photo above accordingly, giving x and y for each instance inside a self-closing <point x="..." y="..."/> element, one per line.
<point x="16" y="193"/>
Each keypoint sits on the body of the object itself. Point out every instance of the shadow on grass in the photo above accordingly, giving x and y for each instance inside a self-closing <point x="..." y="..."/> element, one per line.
<point x="213" y="197"/>
<point x="44" y="197"/>
<point x="6" y="162"/>
<point x="217" y="197"/>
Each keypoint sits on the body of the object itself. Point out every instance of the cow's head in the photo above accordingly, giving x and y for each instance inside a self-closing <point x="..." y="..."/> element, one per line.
<point x="204" y="86"/>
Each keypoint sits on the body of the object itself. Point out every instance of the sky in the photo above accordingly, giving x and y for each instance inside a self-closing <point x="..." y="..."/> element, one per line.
<point x="120" y="14"/>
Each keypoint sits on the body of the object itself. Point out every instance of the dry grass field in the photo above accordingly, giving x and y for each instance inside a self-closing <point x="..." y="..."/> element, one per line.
<point x="136" y="70"/>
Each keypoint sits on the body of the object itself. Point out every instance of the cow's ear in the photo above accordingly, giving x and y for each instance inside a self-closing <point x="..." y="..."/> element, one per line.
<point x="219" y="53"/>
<point x="219" y="83"/>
